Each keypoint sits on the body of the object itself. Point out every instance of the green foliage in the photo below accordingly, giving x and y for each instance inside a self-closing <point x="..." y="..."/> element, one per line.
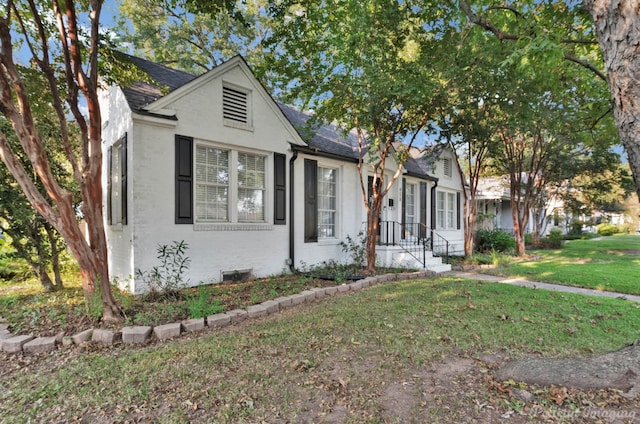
<point x="200" y="304"/>
<point x="93" y="303"/>
<point x="606" y="229"/>
<point x="356" y="248"/>
<point x="194" y="36"/>
<point x="553" y="240"/>
<point x="167" y="277"/>
<point x="498" y="240"/>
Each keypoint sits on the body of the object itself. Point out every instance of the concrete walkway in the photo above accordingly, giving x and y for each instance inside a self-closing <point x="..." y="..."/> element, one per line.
<point x="538" y="285"/>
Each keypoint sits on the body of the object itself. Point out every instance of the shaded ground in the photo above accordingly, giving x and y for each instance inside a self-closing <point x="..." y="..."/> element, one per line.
<point x="614" y="370"/>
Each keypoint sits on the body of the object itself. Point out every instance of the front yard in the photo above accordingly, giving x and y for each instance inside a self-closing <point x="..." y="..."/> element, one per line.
<point x="607" y="263"/>
<point x="414" y="351"/>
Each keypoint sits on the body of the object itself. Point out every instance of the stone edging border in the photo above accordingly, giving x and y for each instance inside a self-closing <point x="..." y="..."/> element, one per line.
<point x="11" y="343"/>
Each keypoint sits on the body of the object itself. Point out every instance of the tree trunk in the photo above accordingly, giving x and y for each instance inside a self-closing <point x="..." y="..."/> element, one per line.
<point x="469" y="225"/>
<point x="617" y="24"/>
<point x="372" y="234"/>
<point x="45" y="280"/>
<point x="55" y="257"/>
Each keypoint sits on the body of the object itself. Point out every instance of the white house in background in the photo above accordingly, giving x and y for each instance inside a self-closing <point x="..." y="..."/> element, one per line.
<point x="215" y="162"/>
<point x="493" y="202"/>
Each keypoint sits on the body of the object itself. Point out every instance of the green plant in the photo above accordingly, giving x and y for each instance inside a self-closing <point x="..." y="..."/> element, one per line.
<point x="357" y="248"/>
<point x="606" y="229"/>
<point x="93" y="304"/>
<point x="499" y="240"/>
<point x="167" y="277"/>
<point x="199" y="303"/>
<point x="554" y="239"/>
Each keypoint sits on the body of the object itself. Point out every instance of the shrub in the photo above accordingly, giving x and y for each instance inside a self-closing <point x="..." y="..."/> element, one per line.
<point x="606" y="229"/>
<point x="498" y="240"/>
<point x="553" y="240"/>
<point x="167" y="278"/>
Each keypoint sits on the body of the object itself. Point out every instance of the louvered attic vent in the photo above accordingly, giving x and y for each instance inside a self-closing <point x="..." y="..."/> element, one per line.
<point x="235" y="105"/>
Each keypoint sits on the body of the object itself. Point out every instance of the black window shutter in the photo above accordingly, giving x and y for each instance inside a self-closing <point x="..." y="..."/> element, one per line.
<point x="423" y="210"/>
<point x="310" y="201"/>
<point x="109" y="185"/>
<point x="280" y="189"/>
<point x="458" y="210"/>
<point x="123" y="169"/>
<point x="184" y="180"/>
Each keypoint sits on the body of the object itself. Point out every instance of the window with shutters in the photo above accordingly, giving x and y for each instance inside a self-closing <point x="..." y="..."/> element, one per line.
<point x="236" y="107"/>
<point x="224" y="178"/>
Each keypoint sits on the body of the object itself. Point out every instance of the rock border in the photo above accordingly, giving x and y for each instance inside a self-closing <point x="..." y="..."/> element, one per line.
<point x="137" y="335"/>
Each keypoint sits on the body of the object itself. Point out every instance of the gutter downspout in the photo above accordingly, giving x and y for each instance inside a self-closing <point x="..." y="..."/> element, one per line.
<point x="433" y="211"/>
<point x="291" y="259"/>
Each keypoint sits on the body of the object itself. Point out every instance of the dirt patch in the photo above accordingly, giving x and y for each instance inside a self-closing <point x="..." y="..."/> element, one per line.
<point x="625" y="252"/>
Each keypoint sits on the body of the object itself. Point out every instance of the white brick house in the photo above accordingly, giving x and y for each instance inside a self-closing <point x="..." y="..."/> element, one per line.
<point x="214" y="161"/>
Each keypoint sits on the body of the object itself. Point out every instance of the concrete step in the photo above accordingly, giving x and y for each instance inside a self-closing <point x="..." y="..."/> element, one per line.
<point x="439" y="269"/>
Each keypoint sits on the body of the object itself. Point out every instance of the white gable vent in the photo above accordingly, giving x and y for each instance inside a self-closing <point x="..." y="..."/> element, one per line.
<point x="447" y="167"/>
<point x="235" y="107"/>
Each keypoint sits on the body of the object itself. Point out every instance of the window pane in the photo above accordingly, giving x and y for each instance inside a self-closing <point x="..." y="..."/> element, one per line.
<point x="440" y="209"/>
<point x="116" y="184"/>
<point x="250" y="205"/>
<point x="212" y="179"/>
<point x="327" y="202"/>
<point x="451" y="201"/>
<point x="251" y="187"/>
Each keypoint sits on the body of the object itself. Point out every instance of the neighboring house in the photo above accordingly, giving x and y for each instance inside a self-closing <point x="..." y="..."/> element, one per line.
<point x="214" y="161"/>
<point x="494" y="209"/>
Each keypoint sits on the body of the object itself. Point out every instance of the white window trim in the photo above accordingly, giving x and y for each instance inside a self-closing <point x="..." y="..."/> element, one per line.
<point x="412" y="213"/>
<point x="339" y="214"/>
<point x="445" y="211"/>
<point x="232" y="224"/>
<point x="233" y="123"/>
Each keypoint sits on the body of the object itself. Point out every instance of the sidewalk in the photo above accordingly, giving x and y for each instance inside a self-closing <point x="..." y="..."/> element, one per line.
<point x="538" y="285"/>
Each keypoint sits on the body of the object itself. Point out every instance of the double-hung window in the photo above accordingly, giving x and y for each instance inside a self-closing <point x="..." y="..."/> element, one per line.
<point x="410" y="209"/>
<point x="327" y="200"/>
<point x="225" y="178"/>
<point x="446" y="210"/>
<point x="117" y="183"/>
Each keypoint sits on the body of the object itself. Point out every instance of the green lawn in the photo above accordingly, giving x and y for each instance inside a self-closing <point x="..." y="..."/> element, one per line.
<point x="346" y="353"/>
<point x="608" y="263"/>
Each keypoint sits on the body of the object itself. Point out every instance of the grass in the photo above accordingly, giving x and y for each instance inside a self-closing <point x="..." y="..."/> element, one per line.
<point x="300" y="364"/>
<point x="607" y="263"/>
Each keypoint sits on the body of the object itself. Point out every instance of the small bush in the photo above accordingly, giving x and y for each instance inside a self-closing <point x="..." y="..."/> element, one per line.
<point x="498" y="240"/>
<point x="606" y="229"/>
<point x="553" y="240"/>
<point x="168" y="277"/>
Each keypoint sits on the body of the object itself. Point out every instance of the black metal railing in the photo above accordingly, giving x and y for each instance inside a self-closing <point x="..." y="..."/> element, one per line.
<point x="414" y="238"/>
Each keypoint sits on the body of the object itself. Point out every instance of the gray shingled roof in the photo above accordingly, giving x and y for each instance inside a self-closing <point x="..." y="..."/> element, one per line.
<point x="328" y="139"/>
<point x="140" y="94"/>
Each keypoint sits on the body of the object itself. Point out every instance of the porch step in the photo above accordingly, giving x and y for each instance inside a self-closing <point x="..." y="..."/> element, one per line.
<point x="432" y="263"/>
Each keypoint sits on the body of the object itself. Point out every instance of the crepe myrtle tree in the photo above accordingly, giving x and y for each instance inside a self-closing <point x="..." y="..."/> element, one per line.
<point x="62" y="42"/>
